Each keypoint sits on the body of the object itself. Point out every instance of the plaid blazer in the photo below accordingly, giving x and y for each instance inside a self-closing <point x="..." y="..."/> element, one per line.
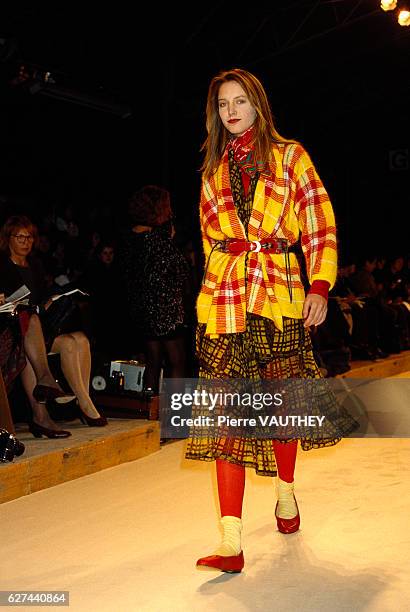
<point x="289" y="202"/>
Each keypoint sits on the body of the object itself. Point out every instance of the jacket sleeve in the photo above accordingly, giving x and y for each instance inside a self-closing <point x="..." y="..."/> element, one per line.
<point x="316" y="222"/>
<point x="205" y="216"/>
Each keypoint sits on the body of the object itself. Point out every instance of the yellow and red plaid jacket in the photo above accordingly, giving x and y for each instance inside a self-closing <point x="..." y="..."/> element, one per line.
<point x="292" y="201"/>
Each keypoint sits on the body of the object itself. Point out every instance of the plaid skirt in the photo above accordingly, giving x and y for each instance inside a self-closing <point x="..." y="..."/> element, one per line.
<point x="263" y="352"/>
<point x="12" y="354"/>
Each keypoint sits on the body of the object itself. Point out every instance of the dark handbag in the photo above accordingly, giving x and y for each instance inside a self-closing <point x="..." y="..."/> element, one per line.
<point x="10" y="447"/>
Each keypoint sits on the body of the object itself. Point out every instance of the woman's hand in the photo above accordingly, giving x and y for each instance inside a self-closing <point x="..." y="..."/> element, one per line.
<point x="314" y="309"/>
<point x="2" y="299"/>
<point x="49" y="302"/>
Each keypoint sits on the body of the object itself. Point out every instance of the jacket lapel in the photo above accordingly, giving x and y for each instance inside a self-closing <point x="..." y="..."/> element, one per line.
<point x="268" y="202"/>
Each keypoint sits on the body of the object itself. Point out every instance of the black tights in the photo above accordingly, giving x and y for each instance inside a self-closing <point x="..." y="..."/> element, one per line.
<point x="173" y="351"/>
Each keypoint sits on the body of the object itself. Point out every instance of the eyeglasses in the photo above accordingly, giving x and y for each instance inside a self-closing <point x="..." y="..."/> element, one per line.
<point x="22" y="238"/>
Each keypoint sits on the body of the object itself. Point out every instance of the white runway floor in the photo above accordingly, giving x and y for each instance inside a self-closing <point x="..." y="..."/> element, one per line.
<point x="126" y="539"/>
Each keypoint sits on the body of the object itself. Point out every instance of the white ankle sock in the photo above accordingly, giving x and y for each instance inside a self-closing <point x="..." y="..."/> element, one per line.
<point x="287" y="506"/>
<point x="231" y="537"/>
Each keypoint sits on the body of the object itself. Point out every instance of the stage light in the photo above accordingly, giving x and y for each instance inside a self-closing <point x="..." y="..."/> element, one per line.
<point x="404" y="18"/>
<point x="388" y="5"/>
<point x="41" y="81"/>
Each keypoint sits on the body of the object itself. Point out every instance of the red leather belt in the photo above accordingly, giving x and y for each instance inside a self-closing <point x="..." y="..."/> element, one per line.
<point x="274" y="246"/>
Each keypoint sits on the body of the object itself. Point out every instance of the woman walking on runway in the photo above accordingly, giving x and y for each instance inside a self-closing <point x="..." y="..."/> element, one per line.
<point x="260" y="194"/>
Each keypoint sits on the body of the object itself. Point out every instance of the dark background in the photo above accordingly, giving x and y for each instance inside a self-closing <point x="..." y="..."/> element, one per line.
<point x="337" y="74"/>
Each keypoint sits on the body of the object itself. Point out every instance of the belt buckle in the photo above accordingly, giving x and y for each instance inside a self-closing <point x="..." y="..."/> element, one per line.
<point x="222" y="245"/>
<point x="257" y="247"/>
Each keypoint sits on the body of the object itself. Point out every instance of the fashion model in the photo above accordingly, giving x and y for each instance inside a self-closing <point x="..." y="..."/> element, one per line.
<point x="260" y="196"/>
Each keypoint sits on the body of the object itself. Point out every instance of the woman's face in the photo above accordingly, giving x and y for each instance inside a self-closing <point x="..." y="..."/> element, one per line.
<point x="235" y="110"/>
<point x="21" y="241"/>
<point x="398" y="264"/>
<point x="107" y="255"/>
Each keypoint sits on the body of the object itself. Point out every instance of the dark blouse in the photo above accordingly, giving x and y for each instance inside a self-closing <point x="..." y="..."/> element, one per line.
<point x="154" y="273"/>
<point x="12" y="355"/>
<point x="13" y="276"/>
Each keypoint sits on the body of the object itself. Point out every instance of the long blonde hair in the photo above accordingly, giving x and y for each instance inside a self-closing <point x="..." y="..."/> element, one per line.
<point x="265" y="131"/>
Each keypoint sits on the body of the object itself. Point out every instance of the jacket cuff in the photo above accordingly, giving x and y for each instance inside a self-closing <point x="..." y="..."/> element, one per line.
<point x="320" y="287"/>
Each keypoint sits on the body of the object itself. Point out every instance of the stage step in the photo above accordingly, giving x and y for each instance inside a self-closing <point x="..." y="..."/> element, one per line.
<point x="390" y="366"/>
<point x="47" y="462"/>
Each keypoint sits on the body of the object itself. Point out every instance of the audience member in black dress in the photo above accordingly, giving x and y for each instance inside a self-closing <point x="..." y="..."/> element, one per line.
<point x="332" y="339"/>
<point x="379" y="272"/>
<point x="154" y="273"/>
<point x="394" y="280"/>
<point x="19" y="266"/>
<point x="395" y="295"/>
<point x="103" y="282"/>
<point x="23" y="352"/>
<point x="385" y="318"/>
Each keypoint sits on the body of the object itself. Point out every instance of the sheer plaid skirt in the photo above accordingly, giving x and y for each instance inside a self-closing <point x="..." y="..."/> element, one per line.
<point x="262" y="352"/>
<point x="12" y="353"/>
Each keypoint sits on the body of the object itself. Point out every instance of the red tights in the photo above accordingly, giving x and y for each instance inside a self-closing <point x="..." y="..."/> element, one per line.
<point x="231" y="477"/>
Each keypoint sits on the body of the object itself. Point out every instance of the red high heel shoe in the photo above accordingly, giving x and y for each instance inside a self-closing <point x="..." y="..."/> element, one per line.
<point x="288" y="525"/>
<point x="230" y="565"/>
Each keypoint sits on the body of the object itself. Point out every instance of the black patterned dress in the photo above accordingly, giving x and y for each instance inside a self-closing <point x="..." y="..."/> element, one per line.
<point x="154" y="273"/>
<point x="260" y="352"/>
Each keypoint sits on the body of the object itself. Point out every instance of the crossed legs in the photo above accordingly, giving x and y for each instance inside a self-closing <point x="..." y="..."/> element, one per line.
<point x="37" y="371"/>
<point x="74" y="351"/>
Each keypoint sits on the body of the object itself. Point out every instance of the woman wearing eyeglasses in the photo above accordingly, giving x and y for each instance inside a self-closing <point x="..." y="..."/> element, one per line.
<point x="23" y="352"/>
<point x="18" y="266"/>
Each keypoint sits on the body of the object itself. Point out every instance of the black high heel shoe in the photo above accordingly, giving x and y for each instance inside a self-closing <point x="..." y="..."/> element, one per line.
<point x="39" y="431"/>
<point x="100" y="421"/>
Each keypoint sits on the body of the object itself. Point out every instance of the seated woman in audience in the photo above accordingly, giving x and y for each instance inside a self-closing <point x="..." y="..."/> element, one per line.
<point x="23" y="352"/>
<point x="395" y="295"/>
<point x="18" y="266"/>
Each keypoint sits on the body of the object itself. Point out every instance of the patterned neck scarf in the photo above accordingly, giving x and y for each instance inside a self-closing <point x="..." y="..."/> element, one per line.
<point x="244" y="153"/>
<point x="243" y="201"/>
